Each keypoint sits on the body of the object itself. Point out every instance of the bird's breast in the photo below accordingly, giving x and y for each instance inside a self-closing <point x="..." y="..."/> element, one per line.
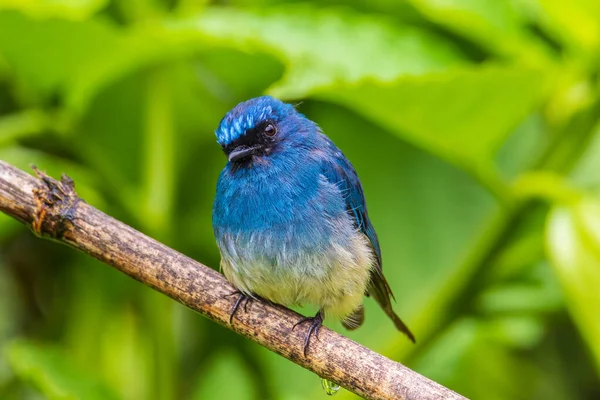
<point x="278" y="198"/>
<point x="284" y="234"/>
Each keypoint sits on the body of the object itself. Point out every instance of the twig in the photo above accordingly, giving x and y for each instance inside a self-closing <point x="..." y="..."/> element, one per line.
<point x="53" y="209"/>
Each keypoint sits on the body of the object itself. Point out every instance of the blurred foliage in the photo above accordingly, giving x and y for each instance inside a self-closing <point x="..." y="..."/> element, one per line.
<point x="474" y="128"/>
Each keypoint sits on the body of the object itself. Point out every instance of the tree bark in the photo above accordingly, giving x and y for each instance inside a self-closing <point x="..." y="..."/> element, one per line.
<point x="52" y="209"/>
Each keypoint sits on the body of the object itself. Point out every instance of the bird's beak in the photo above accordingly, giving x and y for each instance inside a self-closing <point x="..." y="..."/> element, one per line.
<point x="241" y="152"/>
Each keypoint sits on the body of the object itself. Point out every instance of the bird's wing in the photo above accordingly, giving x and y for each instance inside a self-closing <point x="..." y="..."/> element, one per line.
<point x="339" y="171"/>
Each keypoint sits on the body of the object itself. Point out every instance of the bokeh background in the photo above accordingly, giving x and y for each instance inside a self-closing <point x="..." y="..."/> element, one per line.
<point x="473" y="125"/>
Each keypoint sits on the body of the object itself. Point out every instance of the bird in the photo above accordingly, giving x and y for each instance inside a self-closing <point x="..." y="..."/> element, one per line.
<point x="291" y="221"/>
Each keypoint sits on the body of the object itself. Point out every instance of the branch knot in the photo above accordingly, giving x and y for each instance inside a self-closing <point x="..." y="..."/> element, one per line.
<point x="56" y="203"/>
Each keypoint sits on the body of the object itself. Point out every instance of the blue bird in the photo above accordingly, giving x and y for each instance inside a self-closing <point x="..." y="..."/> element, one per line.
<point x="290" y="218"/>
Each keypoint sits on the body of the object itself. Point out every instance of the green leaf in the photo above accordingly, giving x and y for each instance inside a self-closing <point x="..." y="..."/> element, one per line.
<point x="499" y="26"/>
<point x="462" y="116"/>
<point x="576" y="22"/>
<point x="397" y="77"/>
<point x="82" y="51"/>
<point x="318" y="48"/>
<point x="322" y="47"/>
<point x="535" y="297"/>
<point x="585" y="173"/>
<point x="91" y="54"/>
<point x="22" y="124"/>
<point x="69" y="9"/>
<point x="545" y="185"/>
<point x="573" y="244"/>
<point x="53" y="374"/>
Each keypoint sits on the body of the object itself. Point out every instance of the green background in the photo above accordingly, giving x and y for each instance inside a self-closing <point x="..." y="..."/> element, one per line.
<point x="473" y="125"/>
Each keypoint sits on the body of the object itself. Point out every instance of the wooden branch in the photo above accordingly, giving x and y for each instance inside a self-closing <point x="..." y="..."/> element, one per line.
<point x="53" y="209"/>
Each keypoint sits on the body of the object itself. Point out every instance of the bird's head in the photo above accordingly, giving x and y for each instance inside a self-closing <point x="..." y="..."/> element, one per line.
<point x="259" y="126"/>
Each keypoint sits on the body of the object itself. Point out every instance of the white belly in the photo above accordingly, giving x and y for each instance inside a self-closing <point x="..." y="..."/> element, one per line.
<point x="334" y="279"/>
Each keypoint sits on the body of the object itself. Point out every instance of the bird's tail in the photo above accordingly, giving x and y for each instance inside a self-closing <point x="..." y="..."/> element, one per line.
<point x="400" y="325"/>
<point x="381" y="292"/>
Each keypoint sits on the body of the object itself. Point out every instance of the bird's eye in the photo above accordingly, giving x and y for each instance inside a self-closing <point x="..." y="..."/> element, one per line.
<point x="270" y="130"/>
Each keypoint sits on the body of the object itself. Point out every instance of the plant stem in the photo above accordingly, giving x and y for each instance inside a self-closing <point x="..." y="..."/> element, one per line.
<point x="54" y="210"/>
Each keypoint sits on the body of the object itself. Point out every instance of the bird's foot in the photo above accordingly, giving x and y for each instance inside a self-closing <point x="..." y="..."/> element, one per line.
<point x="315" y="325"/>
<point x="242" y="298"/>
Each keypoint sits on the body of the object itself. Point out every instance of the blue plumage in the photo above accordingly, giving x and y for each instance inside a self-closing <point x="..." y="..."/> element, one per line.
<point x="290" y="217"/>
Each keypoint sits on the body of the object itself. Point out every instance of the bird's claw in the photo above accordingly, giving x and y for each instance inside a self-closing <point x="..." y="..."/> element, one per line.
<point x="315" y="325"/>
<point x="243" y="298"/>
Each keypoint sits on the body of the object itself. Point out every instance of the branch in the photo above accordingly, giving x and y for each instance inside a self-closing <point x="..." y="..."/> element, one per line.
<point x="53" y="209"/>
